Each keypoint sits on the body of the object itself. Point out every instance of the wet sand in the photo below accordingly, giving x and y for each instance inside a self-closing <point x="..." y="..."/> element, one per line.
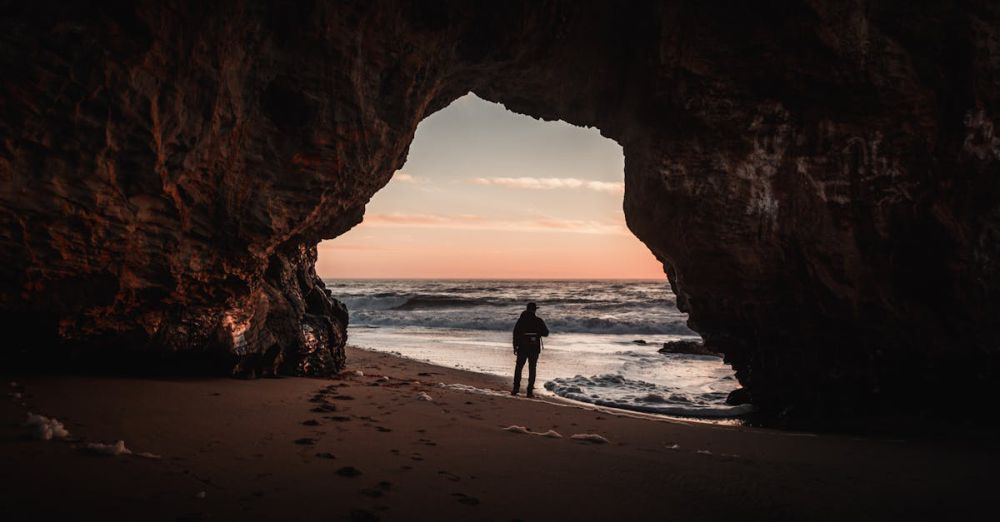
<point x="370" y="448"/>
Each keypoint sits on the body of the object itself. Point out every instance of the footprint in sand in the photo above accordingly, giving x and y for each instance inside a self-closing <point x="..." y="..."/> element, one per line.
<point x="305" y="441"/>
<point x="363" y="515"/>
<point x="326" y="455"/>
<point x="325" y="408"/>
<point x="426" y="442"/>
<point x="371" y="492"/>
<point x="382" y="429"/>
<point x="348" y="471"/>
<point x="375" y="492"/>
<point x="339" y="418"/>
<point x="450" y="476"/>
<point x="343" y="397"/>
<point x="310" y="422"/>
<point x="416" y="456"/>
<point x="466" y="499"/>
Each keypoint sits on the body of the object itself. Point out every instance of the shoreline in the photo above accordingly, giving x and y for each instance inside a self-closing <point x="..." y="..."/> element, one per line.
<point x="542" y="393"/>
<point x="369" y="448"/>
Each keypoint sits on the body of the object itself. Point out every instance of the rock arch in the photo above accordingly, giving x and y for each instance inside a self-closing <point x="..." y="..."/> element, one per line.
<point x="820" y="182"/>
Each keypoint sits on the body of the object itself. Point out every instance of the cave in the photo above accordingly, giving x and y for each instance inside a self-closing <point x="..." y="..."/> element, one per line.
<point x="820" y="182"/>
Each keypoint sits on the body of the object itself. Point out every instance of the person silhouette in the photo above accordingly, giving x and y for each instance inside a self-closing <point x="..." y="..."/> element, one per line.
<point x="528" y="333"/>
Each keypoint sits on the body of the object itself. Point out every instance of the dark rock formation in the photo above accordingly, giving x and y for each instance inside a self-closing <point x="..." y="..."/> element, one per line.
<point x="687" y="347"/>
<point x="739" y="396"/>
<point x="820" y="182"/>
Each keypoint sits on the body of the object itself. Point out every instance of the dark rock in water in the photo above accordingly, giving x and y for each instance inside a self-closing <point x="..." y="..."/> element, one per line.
<point x="739" y="396"/>
<point x="819" y="182"/>
<point x="687" y="347"/>
<point x="640" y="341"/>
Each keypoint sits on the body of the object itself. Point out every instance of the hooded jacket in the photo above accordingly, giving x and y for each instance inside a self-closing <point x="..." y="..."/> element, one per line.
<point x="528" y="323"/>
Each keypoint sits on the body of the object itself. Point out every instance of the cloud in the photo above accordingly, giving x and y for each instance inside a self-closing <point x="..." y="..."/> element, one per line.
<point x="407" y="178"/>
<point x="473" y="222"/>
<point x="552" y="183"/>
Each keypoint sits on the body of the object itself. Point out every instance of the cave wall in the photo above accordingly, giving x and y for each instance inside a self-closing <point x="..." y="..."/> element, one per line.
<point x="820" y="182"/>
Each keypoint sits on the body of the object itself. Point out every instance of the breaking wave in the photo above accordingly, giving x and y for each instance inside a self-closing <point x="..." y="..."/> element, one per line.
<point x="570" y="306"/>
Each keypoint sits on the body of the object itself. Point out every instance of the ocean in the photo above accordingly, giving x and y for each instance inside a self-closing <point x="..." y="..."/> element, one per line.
<point x="602" y="349"/>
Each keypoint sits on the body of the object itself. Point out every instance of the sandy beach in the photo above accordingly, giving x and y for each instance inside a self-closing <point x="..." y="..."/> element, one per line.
<point x="373" y="447"/>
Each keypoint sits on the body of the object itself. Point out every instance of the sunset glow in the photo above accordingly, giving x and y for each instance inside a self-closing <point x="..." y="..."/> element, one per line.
<point x="486" y="193"/>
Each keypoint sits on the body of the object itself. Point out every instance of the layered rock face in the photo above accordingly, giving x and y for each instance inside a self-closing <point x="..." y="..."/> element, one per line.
<point x="821" y="183"/>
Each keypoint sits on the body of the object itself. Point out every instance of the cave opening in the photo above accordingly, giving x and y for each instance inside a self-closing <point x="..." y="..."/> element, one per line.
<point x="494" y="209"/>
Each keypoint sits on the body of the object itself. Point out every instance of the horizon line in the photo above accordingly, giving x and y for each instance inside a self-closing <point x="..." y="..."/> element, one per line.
<point x="494" y="278"/>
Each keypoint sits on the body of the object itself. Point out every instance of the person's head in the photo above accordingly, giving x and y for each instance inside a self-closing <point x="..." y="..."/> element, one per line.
<point x="531" y="308"/>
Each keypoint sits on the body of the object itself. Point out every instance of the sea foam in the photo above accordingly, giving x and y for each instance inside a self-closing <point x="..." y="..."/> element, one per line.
<point x="615" y="391"/>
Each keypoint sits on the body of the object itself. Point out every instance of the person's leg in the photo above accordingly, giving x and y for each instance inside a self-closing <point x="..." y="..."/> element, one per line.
<point x="532" y="362"/>
<point x="521" y="357"/>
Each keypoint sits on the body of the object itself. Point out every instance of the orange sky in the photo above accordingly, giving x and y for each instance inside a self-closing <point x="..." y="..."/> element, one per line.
<point x="486" y="193"/>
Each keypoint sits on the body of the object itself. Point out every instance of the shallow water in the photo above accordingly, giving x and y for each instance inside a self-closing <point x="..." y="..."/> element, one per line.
<point x="591" y="356"/>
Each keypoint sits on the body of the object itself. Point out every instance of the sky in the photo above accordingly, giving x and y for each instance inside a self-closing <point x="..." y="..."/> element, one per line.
<point x="487" y="193"/>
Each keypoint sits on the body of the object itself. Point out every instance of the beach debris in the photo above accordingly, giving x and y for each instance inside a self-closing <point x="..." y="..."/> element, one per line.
<point x="110" y="450"/>
<point x="116" y="449"/>
<point x="200" y="495"/>
<point x="46" y="428"/>
<point x="589" y="437"/>
<point x="423" y="396"/>
<point x="358" y="373"/>
<point x="674" y="447"/>
<point x="14" y="395"/>
<point x="384" y="378"/>
<point x="148" y="455"/>
<point x="703" y="452"/>
<point x="552" y="434"/>
<point x="472" y="389"/>
<point x="348" y="471"/>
